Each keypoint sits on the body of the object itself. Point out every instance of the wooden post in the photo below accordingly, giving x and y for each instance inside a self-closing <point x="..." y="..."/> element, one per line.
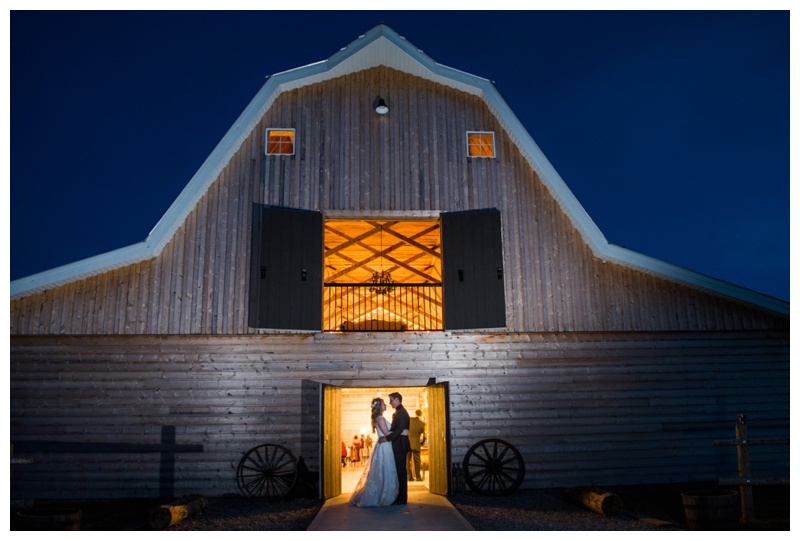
<point x="744" y="481"/>
<point x="743" y="453"/>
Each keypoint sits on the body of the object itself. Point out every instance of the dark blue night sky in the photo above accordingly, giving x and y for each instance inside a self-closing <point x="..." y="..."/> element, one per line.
<point x="671" y="128"/>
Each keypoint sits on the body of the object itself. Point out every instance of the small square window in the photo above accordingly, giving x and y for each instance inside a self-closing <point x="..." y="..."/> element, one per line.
<point x="480" y="144"/>
<point x="280" y="141"/>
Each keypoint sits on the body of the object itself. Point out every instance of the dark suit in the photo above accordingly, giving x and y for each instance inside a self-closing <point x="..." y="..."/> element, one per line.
<point x="415" y="431"/>
<point x="401" y="447"/>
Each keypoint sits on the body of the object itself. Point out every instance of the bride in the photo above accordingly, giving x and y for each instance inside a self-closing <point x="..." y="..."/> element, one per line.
<point x="378" y="484"/>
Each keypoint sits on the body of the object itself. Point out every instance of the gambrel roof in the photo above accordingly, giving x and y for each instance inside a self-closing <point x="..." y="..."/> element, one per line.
<point x="381" y="46"/>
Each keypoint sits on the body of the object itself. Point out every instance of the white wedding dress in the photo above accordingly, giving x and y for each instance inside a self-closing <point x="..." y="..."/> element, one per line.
<point x="378" y="484"/>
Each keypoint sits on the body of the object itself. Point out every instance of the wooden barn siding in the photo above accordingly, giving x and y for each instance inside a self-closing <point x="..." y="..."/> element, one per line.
<point x="594" y="408"/>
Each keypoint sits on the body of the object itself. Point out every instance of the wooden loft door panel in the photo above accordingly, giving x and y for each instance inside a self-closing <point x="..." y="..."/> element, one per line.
<point x="472" y="255"/>
<point x="289" y="273"/>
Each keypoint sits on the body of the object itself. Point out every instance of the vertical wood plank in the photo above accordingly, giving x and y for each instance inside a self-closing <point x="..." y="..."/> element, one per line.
<point x="143" y="294"/>
<point x="154" y="296"/>
<point x="131" y="299"/>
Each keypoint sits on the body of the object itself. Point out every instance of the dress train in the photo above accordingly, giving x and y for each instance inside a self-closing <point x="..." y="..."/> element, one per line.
<point x="378" y="485"/>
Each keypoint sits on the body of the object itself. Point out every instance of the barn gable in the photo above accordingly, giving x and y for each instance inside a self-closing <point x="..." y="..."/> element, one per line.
<point x="381" y="46"/>
<point x="203" y="281"/>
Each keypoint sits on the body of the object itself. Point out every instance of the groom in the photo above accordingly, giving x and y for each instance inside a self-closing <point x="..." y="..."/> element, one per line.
<point x="400" y="445"/>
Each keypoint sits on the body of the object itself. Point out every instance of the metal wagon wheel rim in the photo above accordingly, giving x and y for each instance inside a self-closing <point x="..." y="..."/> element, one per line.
<point x="267" y="471"/>
<point x="493" y="467"/>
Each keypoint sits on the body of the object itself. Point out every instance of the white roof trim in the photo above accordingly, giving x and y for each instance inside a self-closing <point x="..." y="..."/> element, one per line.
<point x="380" y="46"/>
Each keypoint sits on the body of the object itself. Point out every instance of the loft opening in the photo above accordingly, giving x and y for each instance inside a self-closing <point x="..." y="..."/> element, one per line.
<point x="382" y="275"/>
<point x="400" y="274"/>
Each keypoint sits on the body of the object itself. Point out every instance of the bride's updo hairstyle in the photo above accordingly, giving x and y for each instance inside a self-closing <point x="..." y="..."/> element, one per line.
<point x="376" y="411"/>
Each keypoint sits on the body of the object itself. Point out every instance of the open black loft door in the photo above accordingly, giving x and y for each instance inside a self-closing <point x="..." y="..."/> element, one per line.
<point x="287" y="269"/>
<point x="472" y="255"/>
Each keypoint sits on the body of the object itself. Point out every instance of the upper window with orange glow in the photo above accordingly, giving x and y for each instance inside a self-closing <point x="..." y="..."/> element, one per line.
<point x="280" y="141"/>
<point x="480" y="144"/>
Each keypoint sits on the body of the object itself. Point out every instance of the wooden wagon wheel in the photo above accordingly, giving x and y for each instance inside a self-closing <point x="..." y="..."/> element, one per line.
<point x="267" y="471"/>
<point x="493" y="467"/>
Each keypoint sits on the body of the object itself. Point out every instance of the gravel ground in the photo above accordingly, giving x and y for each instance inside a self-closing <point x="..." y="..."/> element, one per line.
<point x="239" y="514"/>
<point x="221" y="514"/>
<point x="645" y="507"/>
<point x="531" y="510"/>
<point x="524" y="510"/>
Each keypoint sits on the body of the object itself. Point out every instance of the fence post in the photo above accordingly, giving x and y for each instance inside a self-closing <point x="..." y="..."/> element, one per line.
<point x="744" y="481"/>
<point x="743" y="454"/>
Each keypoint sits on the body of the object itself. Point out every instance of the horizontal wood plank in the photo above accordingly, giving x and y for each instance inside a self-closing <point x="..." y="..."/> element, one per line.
<point x="640" y="416"/>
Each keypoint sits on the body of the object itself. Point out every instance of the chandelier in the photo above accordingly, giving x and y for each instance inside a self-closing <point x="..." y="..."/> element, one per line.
<point x="382" y="279"/>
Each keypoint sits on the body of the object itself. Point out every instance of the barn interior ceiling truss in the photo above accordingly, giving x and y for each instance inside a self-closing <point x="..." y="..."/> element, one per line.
<point x="383" y="275"/>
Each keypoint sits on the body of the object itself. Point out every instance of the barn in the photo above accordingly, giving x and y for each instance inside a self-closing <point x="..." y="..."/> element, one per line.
<point x="379" y="222"/>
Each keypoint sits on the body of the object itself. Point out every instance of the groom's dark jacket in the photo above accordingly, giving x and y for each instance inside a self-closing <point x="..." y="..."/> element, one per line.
<point x="400" y="422"/>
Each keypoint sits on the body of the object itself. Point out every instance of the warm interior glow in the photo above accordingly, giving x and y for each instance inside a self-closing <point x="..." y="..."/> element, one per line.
<point x="382" y="275"/>
<point x="480" y="144"/>
<point x="379" y="314"/>
<point x="280" y="142"/>
<point x="356" y="421"/>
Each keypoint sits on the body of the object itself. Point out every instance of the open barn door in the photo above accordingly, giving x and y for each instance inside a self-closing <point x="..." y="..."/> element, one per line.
<point x="331" y="441"/>
<point x="438" y="438"/>
<point x="472" y="252"/>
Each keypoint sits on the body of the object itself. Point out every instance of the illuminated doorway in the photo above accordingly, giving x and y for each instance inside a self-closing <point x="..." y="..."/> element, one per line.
<point x="346" y="417"/>
<point x="356" y="428"/>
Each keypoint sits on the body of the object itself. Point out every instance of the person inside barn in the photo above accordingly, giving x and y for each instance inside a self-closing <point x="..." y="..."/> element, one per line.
<point x="416" y="433"/>
<point x="355" y="450"/>
<point x="367" y="447"/>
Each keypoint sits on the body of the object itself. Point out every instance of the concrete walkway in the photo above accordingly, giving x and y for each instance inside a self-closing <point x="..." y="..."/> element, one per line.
<point x="424" y="512"/>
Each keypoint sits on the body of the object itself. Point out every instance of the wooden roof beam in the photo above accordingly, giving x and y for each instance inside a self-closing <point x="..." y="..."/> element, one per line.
<point x="412" y="242"/>
<point x="350" y="240"/>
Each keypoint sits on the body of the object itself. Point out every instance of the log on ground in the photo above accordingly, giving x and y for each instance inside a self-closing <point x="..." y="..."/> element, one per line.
<point x="598" y="500"/>
<point x="169" y="515"/>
